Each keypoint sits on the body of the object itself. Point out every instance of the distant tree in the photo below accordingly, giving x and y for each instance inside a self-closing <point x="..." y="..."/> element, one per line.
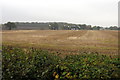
<point x="89" y="27"/>
<point x="82" y="26"/>
<point x="53" y="26"/>
<point x="10" y="25"/>
<point x="96" y="28"/>
<point x="118" y="28"/>
<point x="113" y="28"/>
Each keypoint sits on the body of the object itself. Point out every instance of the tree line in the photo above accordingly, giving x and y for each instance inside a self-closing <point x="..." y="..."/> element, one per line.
<point x="65" y="26"/>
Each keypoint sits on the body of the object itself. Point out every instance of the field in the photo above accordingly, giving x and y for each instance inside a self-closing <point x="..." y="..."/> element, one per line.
<point x="35" y="64"/>
<point x="60" y="55"/>
<point x="65" y="41"/>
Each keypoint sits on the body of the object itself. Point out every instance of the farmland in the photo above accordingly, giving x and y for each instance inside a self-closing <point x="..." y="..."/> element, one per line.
<point x="60" y="54"/>
<point x="29" y="64"/>
<point x="65" y="41"/>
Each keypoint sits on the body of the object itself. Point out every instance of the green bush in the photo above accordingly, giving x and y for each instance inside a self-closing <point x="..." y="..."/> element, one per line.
<point x="29" y="64"/>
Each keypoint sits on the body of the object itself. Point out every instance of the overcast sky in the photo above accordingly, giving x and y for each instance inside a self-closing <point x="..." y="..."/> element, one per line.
<point x="94" y="12"/>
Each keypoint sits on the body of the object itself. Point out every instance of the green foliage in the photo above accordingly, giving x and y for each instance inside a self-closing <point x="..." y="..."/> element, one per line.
<point x="27" y="64"/>
<point x="37" y="64"/>
<point x="54" y="26"/>
<point x="10" y="25"/>
<point x="88" y="66"/>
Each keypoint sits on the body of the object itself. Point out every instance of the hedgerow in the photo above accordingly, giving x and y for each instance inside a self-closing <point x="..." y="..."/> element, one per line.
<point x="29" y="64"/>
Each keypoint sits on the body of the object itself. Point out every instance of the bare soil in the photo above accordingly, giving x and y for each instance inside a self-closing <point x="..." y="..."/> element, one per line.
<point x="65" y="41"/>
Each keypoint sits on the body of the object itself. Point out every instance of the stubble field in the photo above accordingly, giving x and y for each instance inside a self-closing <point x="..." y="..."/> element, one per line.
<point x="64" y="41"/>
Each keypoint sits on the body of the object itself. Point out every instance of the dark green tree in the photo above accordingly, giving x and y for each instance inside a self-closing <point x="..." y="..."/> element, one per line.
<point x="10" y="25"/>
<point x="83" y="26"/>
<point x="96" y="28"/>
<point x="113" y="28"/>
<point x="54" y="26"/>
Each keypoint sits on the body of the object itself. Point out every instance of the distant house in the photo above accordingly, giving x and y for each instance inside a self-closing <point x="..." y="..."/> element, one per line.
<point x="85" y="27"/>
<point x="75" y="27"/>
<point x="101" y="28"/>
